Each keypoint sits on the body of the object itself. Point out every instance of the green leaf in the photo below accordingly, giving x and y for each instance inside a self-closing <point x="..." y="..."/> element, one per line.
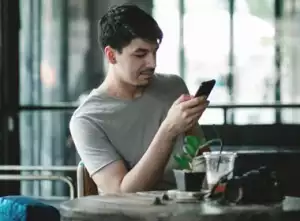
<point x="193" y="141"/>
<point x="183" y="161"/>
<point x="189" y="149"/>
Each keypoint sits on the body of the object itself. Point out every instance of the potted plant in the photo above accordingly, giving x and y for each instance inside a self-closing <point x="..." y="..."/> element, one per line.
<point x="192" y="167"/>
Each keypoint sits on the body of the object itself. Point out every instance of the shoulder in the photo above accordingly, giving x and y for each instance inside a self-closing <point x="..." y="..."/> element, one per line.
<point x="170" y="83"/>
<point x="87" y="105"/>
<point x="90" y="110"/>
<point x="169" y="78"/>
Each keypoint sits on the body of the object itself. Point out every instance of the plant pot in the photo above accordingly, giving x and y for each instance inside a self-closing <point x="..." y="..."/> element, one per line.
<point x="188" y="180"/>
<point x="198" y="164"/>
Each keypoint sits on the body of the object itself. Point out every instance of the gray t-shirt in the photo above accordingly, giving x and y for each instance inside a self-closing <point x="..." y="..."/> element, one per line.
<point x="106" y="129"/>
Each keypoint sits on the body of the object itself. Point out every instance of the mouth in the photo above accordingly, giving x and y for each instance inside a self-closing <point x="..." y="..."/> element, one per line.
<point x="146" y="76"/>
<point x="147" y="73"/>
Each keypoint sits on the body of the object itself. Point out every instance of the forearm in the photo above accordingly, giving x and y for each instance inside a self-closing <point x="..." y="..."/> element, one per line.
<point x="147" y="172"/>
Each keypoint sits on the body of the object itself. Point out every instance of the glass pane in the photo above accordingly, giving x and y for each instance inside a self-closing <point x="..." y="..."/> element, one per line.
<point x="207" y="47"/>
<point x="53" y="45"/>
<point x="290" y="77"/>
<point x="167" y="15"/>
<point x="54" y="42"/>
<point x="254" y="71"/>
<point x="244" y="116"/>
<point x="202" y="22"/>
<point x="45" y="141"/>
<point x="212" y="116"/>
<point x="206" y="44"/>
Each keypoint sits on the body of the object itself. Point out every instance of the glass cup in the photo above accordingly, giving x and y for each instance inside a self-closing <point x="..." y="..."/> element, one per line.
<point x="213" y="173"/>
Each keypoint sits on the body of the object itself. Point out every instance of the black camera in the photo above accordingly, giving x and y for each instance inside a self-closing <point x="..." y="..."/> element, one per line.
<point x="259" y="186"/>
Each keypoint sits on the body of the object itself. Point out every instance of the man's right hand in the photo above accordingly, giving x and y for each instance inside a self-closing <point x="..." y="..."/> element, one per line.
<point x="184" y="113"/>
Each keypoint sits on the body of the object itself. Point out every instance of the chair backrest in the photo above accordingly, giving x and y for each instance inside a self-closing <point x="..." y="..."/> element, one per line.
<point x="85" y="184"/>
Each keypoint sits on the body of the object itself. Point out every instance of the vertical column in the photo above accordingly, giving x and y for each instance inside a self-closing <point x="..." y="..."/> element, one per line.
<point x="9" y="90"/>
<point x="30" y="89"/>
<point x="146" y="5"/>
<point x="278" y="7"/>
<point x="60" y="129"/>
<point x="182" y="60"/>
<point x="294" y="39"/>
<point x="231" y="64"/>
<point x="94" y="60"/>
<point x="54" y="83"/>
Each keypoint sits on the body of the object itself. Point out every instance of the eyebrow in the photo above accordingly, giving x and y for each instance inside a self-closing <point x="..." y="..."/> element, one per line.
<point x="143" y="50"/>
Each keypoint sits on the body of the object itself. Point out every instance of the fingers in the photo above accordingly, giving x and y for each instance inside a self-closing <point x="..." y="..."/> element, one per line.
<point x="193" y="121"/>
<point x="195" y="115"/>
<point x="187" y="97"/>
<point x="188" y="110"/>
<point x="196" y="101"/>
<point x="197" y="109"/>
<point x="182" y="98"/>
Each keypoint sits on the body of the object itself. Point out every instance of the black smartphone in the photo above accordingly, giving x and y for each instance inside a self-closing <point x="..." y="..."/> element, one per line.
<point x="205" y="88"/>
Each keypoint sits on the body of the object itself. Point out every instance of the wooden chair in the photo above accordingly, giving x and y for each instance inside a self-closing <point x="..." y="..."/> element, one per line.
<point x="85" y="184"/>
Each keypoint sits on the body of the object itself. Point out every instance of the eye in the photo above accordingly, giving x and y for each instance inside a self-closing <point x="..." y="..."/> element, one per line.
<point x="140" y="55"/>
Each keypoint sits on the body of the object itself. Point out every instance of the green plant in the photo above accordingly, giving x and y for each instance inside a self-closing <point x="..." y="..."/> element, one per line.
<point x="192" y="148"/>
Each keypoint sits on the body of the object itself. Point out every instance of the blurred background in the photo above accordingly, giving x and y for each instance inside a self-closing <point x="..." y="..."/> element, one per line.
<point x="50" y="60"/>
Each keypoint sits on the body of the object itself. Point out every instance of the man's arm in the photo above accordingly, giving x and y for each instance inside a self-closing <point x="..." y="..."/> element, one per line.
<point x="145" y="174"/>
<point x="150" y="168"/>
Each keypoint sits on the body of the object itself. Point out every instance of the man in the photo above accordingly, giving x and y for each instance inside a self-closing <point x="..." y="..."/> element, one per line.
<point x="128" y="128"/>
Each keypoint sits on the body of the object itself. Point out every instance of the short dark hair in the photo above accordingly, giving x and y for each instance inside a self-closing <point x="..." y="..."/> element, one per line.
<point x="121" y="24"/>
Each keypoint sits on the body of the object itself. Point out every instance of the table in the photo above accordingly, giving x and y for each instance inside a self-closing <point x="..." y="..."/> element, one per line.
<point x="138" y="207"/>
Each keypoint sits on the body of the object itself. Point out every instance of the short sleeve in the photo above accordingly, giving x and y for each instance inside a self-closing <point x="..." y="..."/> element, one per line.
<point x="182" y="85"/>
<point x="92" y="145"/>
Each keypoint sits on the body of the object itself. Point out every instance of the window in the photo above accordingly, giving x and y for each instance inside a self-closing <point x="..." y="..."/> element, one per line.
<point x="208" y="49"/>
<point x="54" y="42"/>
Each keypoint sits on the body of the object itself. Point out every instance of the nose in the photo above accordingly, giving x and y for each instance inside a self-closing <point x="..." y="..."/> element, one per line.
<point x="151" y="60"/>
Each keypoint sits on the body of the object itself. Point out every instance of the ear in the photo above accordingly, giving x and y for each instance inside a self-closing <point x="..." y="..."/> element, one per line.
<point x="110" y="54"/>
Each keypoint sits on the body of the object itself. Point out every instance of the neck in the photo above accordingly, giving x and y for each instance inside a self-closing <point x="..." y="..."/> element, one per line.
<point x="115" y="87"/>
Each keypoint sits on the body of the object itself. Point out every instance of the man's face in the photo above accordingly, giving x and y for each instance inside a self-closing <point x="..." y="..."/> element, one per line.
<point x="136" y="63"/>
